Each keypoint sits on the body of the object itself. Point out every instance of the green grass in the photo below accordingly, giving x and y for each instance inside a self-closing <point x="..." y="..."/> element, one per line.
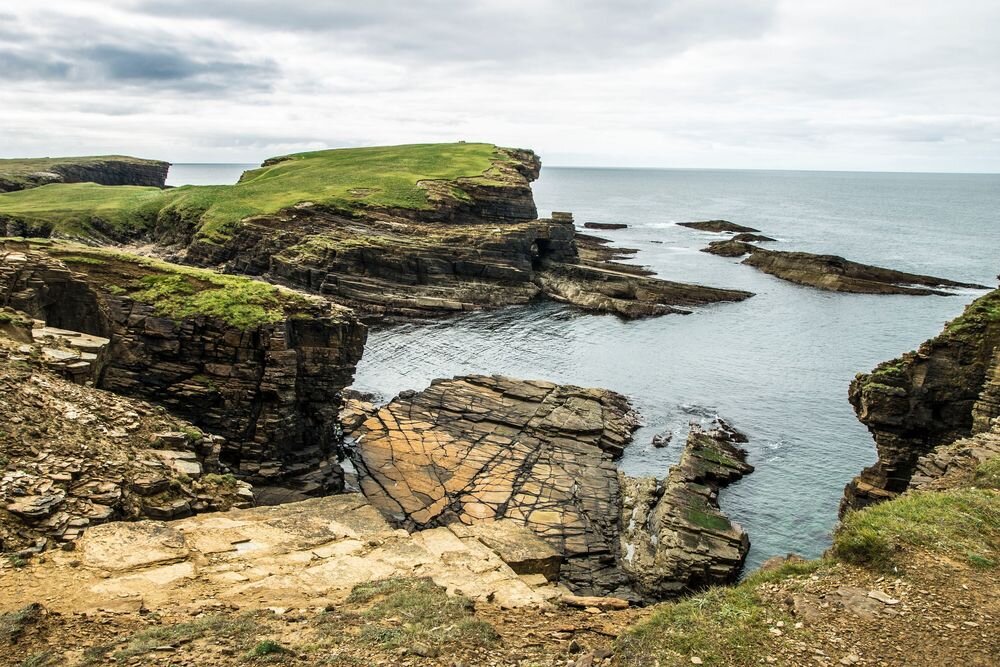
<point x="343" y="179"/>
<point x="707" y="520"/>
<point x="987" y="475"/>
<point x="979" y="314"/>
<point x="724" y="626"/>
<point x="179" y="292"/>
<point x="241" y="629"/>
<point x="958" y="523"/>
<point x="403" y="612"/>
<point x="13" y="623"/>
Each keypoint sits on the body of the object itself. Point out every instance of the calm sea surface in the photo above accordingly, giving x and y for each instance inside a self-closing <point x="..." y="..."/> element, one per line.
<point x="777" y="365"/>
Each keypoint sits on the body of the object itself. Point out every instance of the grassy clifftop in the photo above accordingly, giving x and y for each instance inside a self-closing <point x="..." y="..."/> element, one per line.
<point x="345" y="179"/>
<point x="179" y="292"/>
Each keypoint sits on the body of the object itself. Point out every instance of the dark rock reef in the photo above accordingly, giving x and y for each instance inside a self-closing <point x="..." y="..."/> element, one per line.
<point x="717" y="226"/>
<point x="948" y="389"/>
<point x="20" y="174"/>
<point x="269" y="385"/>
<point x="833" y="273"/>
<point x="610" y="226"/>
<point x="477" y="449"/>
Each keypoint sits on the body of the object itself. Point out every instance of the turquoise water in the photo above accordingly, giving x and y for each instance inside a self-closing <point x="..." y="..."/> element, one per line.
<point x="777" y="365"/>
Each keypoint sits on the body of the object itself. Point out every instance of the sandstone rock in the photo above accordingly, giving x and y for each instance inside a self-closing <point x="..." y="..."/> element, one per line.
<point x="75" y="457"/>
<point x="478" y="449"/>
<point x="300" y="555"/>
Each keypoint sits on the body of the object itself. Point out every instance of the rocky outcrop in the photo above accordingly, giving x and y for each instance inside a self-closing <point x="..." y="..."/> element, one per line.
<point x="478" y="449"/>
<point x="104" y="170"/>
<point x="308" y="554"/>
<point x="474" y="450"/>
<point x="73" y="456"/>
<point x="944" y="391"/>
<point x="717" y="226"/>
<point x="750" y="238"/>
<point x="835" y="274"/>
<point x="674" y="537"/>
<point x="950" y="466"/>
<point x="267" y="378"/>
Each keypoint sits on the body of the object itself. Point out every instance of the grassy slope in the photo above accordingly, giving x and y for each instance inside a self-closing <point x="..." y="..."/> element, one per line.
<point x="344" y="179"/>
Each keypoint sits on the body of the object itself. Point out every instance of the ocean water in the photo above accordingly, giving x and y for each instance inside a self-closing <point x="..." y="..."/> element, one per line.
<point x="777" y="366"/>
<point x="206" y="173"/>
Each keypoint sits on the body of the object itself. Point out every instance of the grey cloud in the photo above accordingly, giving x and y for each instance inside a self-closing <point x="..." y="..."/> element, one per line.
<point x="66" y="52"/>
<point x="16" y="66"/>
<point x="544" y="32"/>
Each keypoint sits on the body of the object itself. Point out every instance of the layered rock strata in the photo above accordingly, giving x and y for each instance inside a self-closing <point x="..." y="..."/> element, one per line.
<point x="474" y="450"/>
<point x="478" y="449"/>
<point x="833" y="273"/>
<point x="270" y="387"/>
<point x="72" y="456"/>
<point x="674" y="537"/>
<point x="105" y="170"/>
<point x="944" y="391"/>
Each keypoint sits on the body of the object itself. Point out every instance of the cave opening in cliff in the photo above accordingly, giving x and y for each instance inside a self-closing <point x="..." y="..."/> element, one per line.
<point x="541" y="249"/>
<point x="74" y="307"/>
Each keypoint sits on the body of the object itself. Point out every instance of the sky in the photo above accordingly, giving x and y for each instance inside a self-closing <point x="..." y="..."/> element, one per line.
<point x="783" y="84"/>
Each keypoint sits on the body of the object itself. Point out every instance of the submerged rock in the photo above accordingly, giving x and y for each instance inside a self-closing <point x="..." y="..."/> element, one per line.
<point x="717" y="226"/>
<point x="674" y="537"/>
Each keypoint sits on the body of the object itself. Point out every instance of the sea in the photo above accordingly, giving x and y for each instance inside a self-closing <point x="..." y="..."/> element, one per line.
<point x="776" y="366"/>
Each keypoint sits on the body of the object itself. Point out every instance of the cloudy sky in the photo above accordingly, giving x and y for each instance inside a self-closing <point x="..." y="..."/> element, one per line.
<point x="785" y="84"/>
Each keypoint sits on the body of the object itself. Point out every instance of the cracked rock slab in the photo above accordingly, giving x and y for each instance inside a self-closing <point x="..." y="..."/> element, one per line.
<point x="478" y="449"/>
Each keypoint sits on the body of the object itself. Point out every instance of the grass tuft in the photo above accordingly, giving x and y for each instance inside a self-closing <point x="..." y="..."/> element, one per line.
<point x="960" y="523"/>
<point x="402" y="612"/>
<point x="987" y="475"/>
<point x="13" y="623"/>
<point x="724" y="626"/>
<point x="240" y="628"/>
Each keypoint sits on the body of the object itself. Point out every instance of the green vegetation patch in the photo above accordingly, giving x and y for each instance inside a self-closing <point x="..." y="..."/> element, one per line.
<point x="724" y="626"/>
<point x="179" y="292"/>
<point x="241" y="629"/>
<point x="987" y="475"/>
<point x="979" y="314"/>
<point x="343" y="179"/>
<point x="13" y="623"/>
<point x="960" y="523"/>
<point x="402" y="612"/>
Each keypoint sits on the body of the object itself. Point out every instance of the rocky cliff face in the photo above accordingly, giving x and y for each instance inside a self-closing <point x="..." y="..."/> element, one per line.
<point x="483" y="249"/>
<point x="73" y="456"/>
<point x="271" y="388"/>
<point x="944" y="391"/>
<point x="108" y="170"/>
